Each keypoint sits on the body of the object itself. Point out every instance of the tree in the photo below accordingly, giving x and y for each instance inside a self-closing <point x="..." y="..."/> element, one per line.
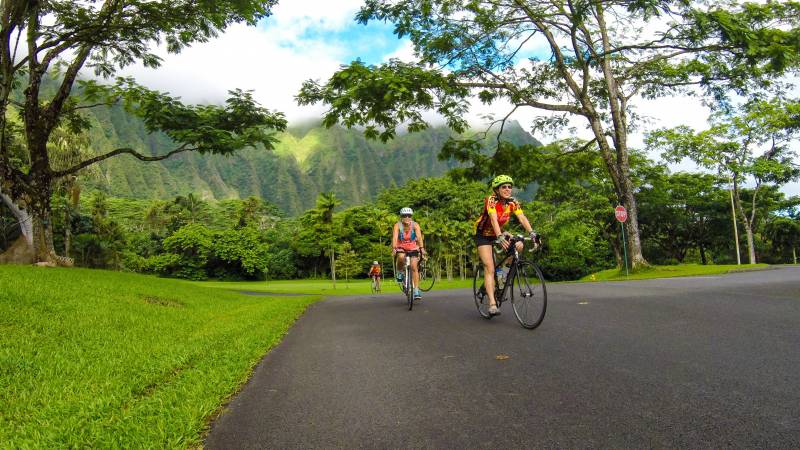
<point x="784" y="233"/>
<point x="731" y="145"/>
<point x="679" y="212"/>
<point x="63" y="37"/>
<point x="602" y="57"/>
<point x="347" y="261"/>
<point x="319" y="231"/>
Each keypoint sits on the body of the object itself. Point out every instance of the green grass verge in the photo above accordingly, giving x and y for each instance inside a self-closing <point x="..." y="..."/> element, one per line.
<point x="362" y="287"/>
<point x="321" y="287"/>
<point x="682" y="270"/>
<point x="102" y="359"/>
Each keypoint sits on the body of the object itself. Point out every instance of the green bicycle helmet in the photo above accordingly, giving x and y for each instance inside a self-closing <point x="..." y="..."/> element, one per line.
<point x="502" y="179"/>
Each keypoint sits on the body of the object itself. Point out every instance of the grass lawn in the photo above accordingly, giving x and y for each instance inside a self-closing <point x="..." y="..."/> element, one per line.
<point x="322" y="287"/>
<point x="682" y="270"/>
<point x="103" y="359"/>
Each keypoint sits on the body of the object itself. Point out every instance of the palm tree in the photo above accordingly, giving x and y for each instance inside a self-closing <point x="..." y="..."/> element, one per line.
<point x="322" y="218"/>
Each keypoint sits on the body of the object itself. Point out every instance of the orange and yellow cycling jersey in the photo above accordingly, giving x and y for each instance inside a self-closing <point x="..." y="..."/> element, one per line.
<point x="375" y="270"/>
<point x="503" y="210"/>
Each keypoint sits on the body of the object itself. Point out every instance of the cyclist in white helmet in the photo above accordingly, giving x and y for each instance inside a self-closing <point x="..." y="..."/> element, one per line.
<point x="407" y="238"/>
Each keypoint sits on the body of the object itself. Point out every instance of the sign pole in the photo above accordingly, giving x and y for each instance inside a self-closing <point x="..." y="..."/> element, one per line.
<point x="624" y="248"/>
<point x="621" y="214"/>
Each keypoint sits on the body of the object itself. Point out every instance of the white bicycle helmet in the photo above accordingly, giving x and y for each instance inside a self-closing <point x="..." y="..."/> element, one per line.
<point x="374" y="263"/>
<point x="406" y="210"/>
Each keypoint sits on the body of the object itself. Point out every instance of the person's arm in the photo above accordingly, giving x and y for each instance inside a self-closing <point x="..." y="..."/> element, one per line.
<point x="420" y="242"/>
<point x="524" y="221"/>
<point x="528" y="227"/>
<point x="394" y="237"/>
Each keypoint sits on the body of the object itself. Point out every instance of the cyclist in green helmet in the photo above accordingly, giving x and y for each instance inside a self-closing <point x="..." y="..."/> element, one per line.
<point x="497" y="210"/>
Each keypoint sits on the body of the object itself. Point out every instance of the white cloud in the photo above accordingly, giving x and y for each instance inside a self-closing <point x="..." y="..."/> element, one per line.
<point x="272" y="59"/>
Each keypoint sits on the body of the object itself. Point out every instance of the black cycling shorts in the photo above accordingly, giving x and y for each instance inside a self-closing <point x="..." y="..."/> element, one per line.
<point x="411" y="253"/>
<point x="484" y="240"/>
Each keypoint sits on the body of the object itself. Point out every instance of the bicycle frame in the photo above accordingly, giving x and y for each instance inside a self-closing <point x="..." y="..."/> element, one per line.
<point x="500" y="295"/>
<point x="407" y="271"/>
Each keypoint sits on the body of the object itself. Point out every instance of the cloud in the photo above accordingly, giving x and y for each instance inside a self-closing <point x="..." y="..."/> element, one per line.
<point x="303" y="39"/>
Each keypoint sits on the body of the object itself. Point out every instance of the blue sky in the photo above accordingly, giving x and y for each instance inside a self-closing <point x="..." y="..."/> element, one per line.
<point x="371" y="43"/>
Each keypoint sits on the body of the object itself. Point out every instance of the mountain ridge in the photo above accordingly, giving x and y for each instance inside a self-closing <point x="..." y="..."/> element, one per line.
<point x="307" y="159"/>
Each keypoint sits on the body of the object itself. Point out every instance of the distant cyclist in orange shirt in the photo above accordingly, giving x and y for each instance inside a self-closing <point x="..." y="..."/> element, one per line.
<point x="497" y="210"/>
<point x="375" y="274"/>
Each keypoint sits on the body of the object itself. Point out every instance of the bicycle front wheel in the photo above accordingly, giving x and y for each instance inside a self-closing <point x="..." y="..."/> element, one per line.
<point x="426" y="280"/>
<point x="529" y="295"/>
<point x="409" y="289"/>
<point x="479" y="293"/>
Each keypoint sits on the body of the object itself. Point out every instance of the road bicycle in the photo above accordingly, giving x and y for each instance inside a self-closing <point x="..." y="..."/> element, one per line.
<point x="426" y="276"/>
<point x="524" y="286"/>
<point x="376" y="287"/>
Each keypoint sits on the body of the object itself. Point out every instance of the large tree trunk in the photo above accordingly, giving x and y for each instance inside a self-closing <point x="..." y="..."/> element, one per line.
<point x="751" y="248"/>
<point x="748" y="222"/>
<point x="37" y="197"/>
<point x="632" y="228"/>
<point x="23" y="218"/>
<point x="21" y="251"/>
<point x="35" y="224"/>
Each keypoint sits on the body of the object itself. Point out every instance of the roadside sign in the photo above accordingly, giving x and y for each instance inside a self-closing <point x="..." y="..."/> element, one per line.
<point x="620" y="213"/>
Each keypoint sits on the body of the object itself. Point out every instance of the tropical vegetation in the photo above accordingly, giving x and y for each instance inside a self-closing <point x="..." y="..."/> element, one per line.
<point x="601" y="58"/>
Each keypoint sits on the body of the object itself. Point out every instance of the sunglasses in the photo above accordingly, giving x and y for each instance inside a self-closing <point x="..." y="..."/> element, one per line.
<point x="405" y="216"/>
<point x="506" y="186"/>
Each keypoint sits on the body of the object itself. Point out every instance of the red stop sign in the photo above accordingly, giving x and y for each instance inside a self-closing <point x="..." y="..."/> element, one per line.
<point x="620" y="213"/>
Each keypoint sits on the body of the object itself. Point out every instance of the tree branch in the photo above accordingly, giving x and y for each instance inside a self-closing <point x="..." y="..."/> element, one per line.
<point x="532" y="103"/>
<point x="120" y="151"/>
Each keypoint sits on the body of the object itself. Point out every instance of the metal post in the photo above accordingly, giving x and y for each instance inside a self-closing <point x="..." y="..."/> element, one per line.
<point x="624" y="247"/>
<point x="735" y="229"/>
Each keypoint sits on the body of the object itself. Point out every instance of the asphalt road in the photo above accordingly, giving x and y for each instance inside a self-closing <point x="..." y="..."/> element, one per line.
<point x="704" y="362"/>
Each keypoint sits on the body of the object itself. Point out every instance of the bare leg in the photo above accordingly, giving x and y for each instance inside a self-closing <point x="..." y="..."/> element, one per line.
<point x="415" y="272"/>
<point x="485" y="253"/>
<point x="399" y="262"/>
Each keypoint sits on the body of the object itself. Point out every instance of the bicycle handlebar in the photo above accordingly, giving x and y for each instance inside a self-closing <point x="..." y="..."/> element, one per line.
<point x="519" y="238"/>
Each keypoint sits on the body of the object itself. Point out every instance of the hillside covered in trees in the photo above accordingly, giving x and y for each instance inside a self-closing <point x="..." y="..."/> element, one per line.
<point x="307" y="161"/>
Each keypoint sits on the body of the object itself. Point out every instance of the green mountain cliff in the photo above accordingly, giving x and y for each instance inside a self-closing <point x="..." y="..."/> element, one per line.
<point x="306" y="161"/>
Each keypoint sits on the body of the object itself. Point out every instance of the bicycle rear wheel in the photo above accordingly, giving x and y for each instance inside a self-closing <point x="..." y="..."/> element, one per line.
<point x="529" y="295"/>
<point x="479" y="293"/>
<point x="426" y="279"/>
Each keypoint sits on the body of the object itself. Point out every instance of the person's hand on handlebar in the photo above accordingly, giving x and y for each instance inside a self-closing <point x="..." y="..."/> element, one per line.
<point x="503" y="241"/>
<point x="536" y="240"/>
